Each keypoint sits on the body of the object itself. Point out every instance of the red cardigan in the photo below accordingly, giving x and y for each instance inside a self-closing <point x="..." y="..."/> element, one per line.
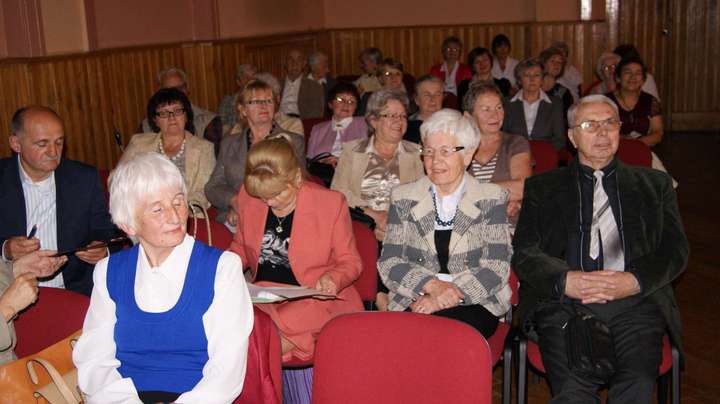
<point x="463" y="73"/>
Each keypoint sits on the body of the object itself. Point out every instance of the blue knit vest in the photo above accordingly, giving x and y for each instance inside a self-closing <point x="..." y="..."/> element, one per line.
<point x="163" y="351"/>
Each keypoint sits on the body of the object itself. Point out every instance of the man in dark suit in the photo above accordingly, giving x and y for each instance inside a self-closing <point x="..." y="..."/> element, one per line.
<point x="299" y="96"/>
<point x="607" y="239"/>
<point x="61" y="199"/>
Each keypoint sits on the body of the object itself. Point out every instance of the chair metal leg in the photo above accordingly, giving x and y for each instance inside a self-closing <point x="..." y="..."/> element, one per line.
<point x="662" y="389"/>
<point x="522" y="371"/>
<point x="675" y="371"/>
<point x="507" y="372"/>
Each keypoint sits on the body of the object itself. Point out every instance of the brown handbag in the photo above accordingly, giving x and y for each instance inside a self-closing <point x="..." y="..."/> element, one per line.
<point x="16" y="385"/>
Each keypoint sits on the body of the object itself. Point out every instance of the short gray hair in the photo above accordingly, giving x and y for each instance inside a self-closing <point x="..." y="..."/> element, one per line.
<point x="451" y="122"/>
<point x="169" y="72"/>
<point x="588" y="99"/>
<point x="377" y="102"/>
<point x="270" y="80"/>
<point x="132" y="180"/>
<point x="428" y="78"/>
<point x="527" y="64"/>
<point x="315" y="57"/>
<point x="244" y="68"/>
<point x="601" y="62"/>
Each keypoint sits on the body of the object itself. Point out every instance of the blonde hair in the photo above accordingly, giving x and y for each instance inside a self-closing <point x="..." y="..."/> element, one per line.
<point x="271" y="166"/>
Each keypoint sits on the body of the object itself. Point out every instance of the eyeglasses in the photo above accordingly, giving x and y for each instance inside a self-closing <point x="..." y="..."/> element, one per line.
<point x="609" y="67"/>
<point x="444" y="152"/>
<point x="348" y="101"/>
<point x="592" y="127"/>
<point x="393" y="116"/>
<point x="395" y="74"/>
<point x="166" y="113"/>
<point x="258" y="103"/>
<point x="452" y="49"/>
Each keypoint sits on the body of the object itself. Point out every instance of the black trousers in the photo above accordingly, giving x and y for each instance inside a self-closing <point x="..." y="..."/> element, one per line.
<point x="476" y="316"/>
<point x="154" y="397"/>
<point x="637" y="330"/>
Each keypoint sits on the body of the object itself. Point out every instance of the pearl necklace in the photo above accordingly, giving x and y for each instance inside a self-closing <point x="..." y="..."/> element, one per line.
<point x="177" y="156"/>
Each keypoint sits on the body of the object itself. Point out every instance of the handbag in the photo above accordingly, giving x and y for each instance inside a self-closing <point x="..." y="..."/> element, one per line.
<point x="589" y="344"/>
<point x="63" y="389"/>
<point x="358" y="214"/>
<point x="199" y="211"/>
<point x="321" y="170"/>
<point x="17" y="385"/>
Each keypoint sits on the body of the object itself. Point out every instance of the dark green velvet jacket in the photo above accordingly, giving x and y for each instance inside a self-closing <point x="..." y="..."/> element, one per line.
<point x="657" y="247"/>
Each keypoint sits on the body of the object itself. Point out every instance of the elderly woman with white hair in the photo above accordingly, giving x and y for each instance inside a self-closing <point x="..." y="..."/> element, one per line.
<point x="169" y="319"/>
<point x="447" y="244"/>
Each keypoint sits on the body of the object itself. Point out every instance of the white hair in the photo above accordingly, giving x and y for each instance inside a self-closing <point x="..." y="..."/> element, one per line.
<point x="601" y="62"/>
<point x="135" y="179"/>
<point x="169" y="72"/>
<point x="315" y="57"/>
<point x="270" y="80"/>
<point x="453" y="123"/>
<point x="587" y="100"/>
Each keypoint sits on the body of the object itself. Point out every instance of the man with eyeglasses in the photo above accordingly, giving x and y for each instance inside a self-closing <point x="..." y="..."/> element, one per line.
<point x="301" y="97"/>
<point x="600" y="238"/>
<point x="207" y="124"/>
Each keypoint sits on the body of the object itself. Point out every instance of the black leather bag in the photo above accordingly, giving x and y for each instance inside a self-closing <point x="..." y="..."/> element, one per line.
<point x="321" y="170"/>
<point x="590" y="349"/>
<point x="359" y="215"/>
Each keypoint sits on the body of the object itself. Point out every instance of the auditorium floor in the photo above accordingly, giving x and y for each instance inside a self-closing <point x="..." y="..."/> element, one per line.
<point x="694" y="160"/>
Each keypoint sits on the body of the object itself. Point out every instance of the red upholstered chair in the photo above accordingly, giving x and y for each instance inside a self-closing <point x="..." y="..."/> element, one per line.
<point x="544" y="155"/>
<point x="263" y="377"/>
<point x="221" y="236"/>
<point x="56" y="314"/>
<point x="634" y="152"/>
<point x="501" y="347"/>
<point x="529" y="351"/>
<point x="367" y="246"/>
<point x="308" y="124"/>
<point x="397" y="357"/>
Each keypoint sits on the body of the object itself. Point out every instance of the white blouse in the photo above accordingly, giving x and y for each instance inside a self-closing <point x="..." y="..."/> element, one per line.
<point x="228" y="323"/>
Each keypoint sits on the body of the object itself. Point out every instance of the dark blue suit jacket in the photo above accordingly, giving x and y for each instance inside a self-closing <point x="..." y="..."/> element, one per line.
<point x="82" y="214"/>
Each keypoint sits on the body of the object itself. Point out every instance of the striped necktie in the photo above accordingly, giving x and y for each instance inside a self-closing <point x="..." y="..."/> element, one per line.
<point x="604" y="229"/>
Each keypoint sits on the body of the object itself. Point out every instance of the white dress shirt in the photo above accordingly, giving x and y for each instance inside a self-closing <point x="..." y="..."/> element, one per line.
<point x="508" y="73"/>
<point x="449" y="85"/>
<point x="531" y="109"/>
<point x="322" y="80"/>
<point x="289" y="102"/>
<point x="41" y="211"/>
<point x="227" y="322"/>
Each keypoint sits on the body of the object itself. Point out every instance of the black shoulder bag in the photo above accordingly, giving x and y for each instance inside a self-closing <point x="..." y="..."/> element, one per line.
<point x="589" y="344"/>
<point x="321" y="170"/>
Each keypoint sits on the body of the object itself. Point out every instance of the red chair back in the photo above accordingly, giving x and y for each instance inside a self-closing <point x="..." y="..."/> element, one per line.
<point x="634" y="152"/>
<point x="221" y="236"/>
<point x="307" y="128"/>
<point x="263" y="377"/>
<point x="514" y="283"/>
<point x="544" y="155"/>
<point x="56" y="314"/>
<point x="104" y="176"/>
<point x="367" y="246"/>
<point x="391" y="357"/>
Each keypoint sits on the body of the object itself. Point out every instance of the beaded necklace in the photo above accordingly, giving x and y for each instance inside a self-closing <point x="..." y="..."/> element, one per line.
<point x="177" y="156"/>
<point x="439" y="221"/>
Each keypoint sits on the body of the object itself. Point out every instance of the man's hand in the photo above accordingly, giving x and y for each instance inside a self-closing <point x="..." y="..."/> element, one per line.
<point x="40" y="263"/>
<point x="16" y="247"/>
<point x="326" y="285"/>
<point x="600" y="286"/>
<point x="94" y="255"/>
<point x="21" y="293"/>
<point x="446" y="294"/>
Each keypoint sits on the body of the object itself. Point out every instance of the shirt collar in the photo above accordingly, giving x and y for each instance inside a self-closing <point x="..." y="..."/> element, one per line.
<point x="543" y="97"/>
<point x="341" y="124"/>
<point x="321" y="81"/>
<point x="169" y="266"/>
<point x="608" y="170"/>
<point x="371" y="148"/>
<point x="26" y="180"/>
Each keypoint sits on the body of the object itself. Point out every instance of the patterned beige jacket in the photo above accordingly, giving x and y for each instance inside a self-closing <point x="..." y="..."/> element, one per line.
<point x="7" y="332"/>
<point x="479" y="253"/>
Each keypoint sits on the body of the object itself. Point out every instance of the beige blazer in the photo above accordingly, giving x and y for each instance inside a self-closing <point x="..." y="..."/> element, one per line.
<point x="353" y="162"/>
<point x="7" y="332"/>
<point x="199" y="161"/>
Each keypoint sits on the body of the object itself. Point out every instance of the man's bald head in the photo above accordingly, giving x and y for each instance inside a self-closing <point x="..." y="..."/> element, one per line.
<point x="22" y="115"/>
